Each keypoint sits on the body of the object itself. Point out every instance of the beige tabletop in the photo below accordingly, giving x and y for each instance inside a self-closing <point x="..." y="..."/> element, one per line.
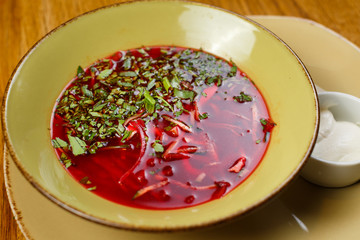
<point x="24" y="22"/>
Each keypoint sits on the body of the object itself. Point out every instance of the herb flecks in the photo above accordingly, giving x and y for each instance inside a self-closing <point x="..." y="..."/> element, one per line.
<point x="85" y="180"/>
<point x="59" y="143"/>
<point x="65" y="160"/>
<point x="243" y="98"/>
<point x="91" y="188"/>
<point x="158" y="147"/>
<point x="106" y="96"/>
<point x="203" y="116"/>
<point x="267" y="125"/>
<point x="77" y="145"/>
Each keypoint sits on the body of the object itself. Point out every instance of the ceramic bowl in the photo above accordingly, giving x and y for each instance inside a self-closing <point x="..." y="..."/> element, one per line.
<point x="52" y="62"/>
<point x="325" y="172"/>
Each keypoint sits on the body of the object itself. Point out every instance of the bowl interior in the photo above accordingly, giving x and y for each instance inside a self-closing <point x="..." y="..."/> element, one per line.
<point x="52" y="63"/>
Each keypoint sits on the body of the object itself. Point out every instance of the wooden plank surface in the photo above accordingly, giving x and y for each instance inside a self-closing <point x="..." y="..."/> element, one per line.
<point x="24" y="22"/>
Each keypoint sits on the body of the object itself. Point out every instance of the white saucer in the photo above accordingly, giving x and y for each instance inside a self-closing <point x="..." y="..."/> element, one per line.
<point x="303" y="211"/>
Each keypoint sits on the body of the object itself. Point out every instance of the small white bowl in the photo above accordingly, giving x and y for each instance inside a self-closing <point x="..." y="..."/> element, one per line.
<point x="328" y="173"/>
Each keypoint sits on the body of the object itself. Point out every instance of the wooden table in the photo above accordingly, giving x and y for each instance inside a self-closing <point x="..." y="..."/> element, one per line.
<point x="24" y="22"/>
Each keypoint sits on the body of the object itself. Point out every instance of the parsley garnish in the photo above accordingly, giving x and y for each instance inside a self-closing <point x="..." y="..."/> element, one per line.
<point x="149" y="102"/>
<point x="126" y="135"/>
<point x="109" y="92"/>
<point x="243" y="98"/>
<point x="166" y="83"/>
<point x="58" y="143"/>
<point x="157" y="146"/>
<point x="203" y="116"/>
<point x="77" y="145"/>
<point x="80" y="71"/>
<point x="184" y="94"/>
<point x="85" y="180"/>
<point x="91" y="188"/>
<point x="105" y="73"/>
<point x="65" y="160"/>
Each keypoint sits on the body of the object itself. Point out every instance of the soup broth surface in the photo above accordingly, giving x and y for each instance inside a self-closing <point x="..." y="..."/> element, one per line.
<point x="160" y="127"/>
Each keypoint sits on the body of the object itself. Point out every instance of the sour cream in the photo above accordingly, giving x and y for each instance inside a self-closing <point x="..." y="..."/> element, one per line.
<point x="337" y="140"/>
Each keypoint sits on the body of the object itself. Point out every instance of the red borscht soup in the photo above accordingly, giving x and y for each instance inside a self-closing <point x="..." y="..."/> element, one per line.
<point x="160" y="127"/>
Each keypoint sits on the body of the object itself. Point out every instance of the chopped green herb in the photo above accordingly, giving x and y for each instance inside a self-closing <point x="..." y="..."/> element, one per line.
<point x="105" y="73"/>
<point x="86" y="91"/>
<point x="157" y="147"/>
<point x="125" y="84"/>
<point x="166" y="83"/>
<point x="59" y="143"/>
<point x="263" y="121"/>
<point x="77" y="145"/>
<point x="243" y="98"/>
<point x="233" y="70"/>
<point x="127" y="134"/>
<point x="149" y="102"/>
<point x="127" y="64"/>
<point x="267" y="124"/>
<point x="142" y="51"/>
<point x="165" y="102"/>
<point x="128" y="74"/>
<point x="203" y="116"/>
<point x="210" y="80"/>
<point x="121" y="128"/>
<point x="98" y="106"/>
<point x="184" y="94"/>
<point x="151" y="84"/>
<point x="65" y="160"/>
<point x="175" y="82"/>
<point x="67" y="163"/>
<point x="85" y="180"/>
<point x="95" y="114"/>
<point x="80" y="71"/>
<point x="91" y="188"/>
